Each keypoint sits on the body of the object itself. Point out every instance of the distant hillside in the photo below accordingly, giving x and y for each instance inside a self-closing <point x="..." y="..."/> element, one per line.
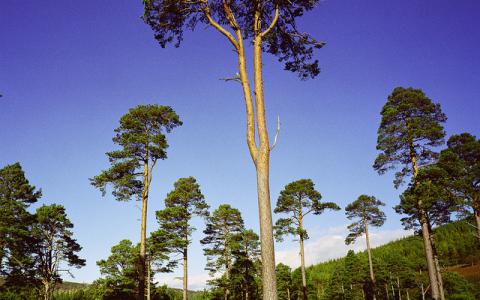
<point x="400" y="265"/>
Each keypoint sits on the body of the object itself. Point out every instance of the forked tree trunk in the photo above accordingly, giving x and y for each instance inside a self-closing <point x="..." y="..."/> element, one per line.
<point x="260" y="154"/>
<point x="370" y="263"/>
<point x="185" y="274"/>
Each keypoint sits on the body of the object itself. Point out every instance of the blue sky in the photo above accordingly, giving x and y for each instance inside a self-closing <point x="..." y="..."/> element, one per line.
<point x="70" y="69"/>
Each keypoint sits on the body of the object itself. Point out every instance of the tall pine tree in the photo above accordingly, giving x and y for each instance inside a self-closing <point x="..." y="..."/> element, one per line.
<point x="410" y="129"/>
<point x="142" y="141"/>
<point x="181" y="204"/>
<point x="298" y="199"/>
<point x="367" y="212"/>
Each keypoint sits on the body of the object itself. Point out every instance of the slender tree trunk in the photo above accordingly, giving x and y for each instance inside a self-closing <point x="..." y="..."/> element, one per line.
<point x="437" y="264"/>
<point x="143" y="232"/>
<point x="149" y="268"/>
<point x="185" y="274"/>
<point x="432" y="272"/>
<point x="227" y="289"/>
<point x="370" y="263"/>
<point x="302" y="253"/>
<point x="288" y="293"/>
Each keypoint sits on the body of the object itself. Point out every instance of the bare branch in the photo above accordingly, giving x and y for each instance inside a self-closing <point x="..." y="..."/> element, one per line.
<point x="276" y="134"/>
<point x="235" y="78"/>
<point x="273" y="23"/>
<point x="226" y="33"/>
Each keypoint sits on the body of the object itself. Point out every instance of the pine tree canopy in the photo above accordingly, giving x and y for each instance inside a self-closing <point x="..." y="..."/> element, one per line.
<point x="249" y="19"/>
<point x="365" y="209"/>
<point x="411" y="126"/>
<point x="298" y="198"/>
<point x="142" y="140"/>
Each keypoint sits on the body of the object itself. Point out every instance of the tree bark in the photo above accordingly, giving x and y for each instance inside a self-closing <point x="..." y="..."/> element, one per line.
<point x="185" y="274"/>
<point x="263" y="183"/>
<point x="143" y="232"/>
<point x="370" y="263"/>
<point x="437" y="264"/>
<point x="432" y="273"/>
<point x="302" y="255"/>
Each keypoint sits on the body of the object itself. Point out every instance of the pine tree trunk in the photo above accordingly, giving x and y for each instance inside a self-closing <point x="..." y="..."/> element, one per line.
<point x="143" y="233"/>
<point x="302" y="263"/>
<point x="437" y="264"/>
<point x="149" y="279"/>
<point x="185" y="275"/>
<point x="432" y="273"/>
<point x="372" y="275"/>
<point x="263" y="182"/>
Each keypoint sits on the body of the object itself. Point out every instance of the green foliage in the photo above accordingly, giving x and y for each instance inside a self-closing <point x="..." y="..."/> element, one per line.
<point x="461" y="162"/>
<point x="168" y="19"/>
<point x="142" y="140"/>
<point x="120" y="271"/>
<point x="221" y="237"/>
<point x="298" y="198"/>
<point x="398" y="265"/>
<point x="181" y="204"/>
<point x="54" y="248"/>
<point x="411" y="127"/>
<point x="16" y="195"/>
<point x="284" y="281"/>
<point x="428" y="194"/>
<point x="366" y="209"/>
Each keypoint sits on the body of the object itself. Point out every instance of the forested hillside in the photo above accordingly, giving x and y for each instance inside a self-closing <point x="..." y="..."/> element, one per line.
<point x="400" y="267"/>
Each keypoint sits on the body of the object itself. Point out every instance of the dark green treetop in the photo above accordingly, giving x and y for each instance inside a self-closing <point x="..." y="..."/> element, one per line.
<point x="142" y="141"/>
<point x="284" y="281"/>
<point x="221" y="237"/>
<point x="365" y="209"/>
<point x="14" y="186"/>
<point x="410" y="128"/>
<point x="120" y="269"/>
<point x="428" y="193"/>
<point x="182" y="203"/>
<point x="461" y="161"/>
<point x="16" y="195"/>
<point x="169" y="18"/>
<point x="298" y="198"/>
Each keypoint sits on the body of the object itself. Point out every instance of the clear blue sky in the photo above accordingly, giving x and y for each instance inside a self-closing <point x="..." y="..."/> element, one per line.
<point x="70" y="69"/>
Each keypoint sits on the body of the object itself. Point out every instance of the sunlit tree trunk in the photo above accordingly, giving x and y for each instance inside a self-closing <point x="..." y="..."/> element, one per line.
<point x="370" y="263"/>
<point x="302" y="256"/>
<point x="143" y="231"/>
<point x="185" y="274"/>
